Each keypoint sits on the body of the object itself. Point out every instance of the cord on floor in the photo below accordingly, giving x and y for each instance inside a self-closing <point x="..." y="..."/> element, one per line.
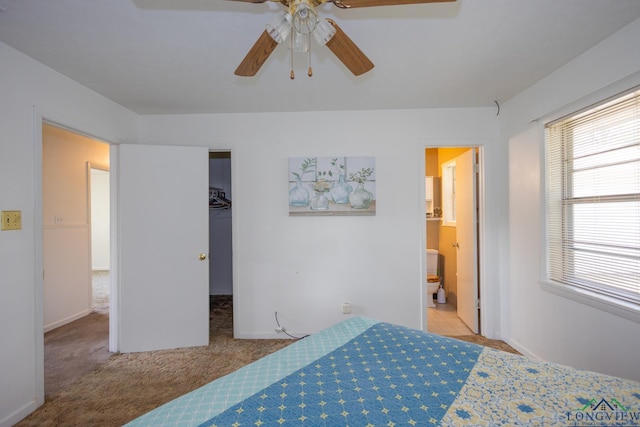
<point x="284" y="331"/>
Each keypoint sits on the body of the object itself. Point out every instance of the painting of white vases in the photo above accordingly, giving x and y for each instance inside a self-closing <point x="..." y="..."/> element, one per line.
<point x="332" y="186"/>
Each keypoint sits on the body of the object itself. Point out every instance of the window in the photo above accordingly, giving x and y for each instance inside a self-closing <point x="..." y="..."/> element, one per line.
<point x="593" y="199"/>
<point x="449" y="193"/>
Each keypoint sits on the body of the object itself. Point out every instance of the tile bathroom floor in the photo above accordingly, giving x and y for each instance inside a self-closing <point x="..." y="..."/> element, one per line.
<point x="444" y="320"/>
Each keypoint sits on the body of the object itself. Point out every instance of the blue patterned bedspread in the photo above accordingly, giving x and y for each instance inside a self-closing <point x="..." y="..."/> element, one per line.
<point x="367" y="373"/>
<point x="388" y="374"/>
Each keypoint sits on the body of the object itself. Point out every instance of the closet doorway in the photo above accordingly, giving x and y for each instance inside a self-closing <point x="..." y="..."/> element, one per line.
<point x="220" y="230"/>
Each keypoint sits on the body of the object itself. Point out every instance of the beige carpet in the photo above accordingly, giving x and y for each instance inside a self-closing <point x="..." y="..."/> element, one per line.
<point x="129" y="385"/>
<point x="100" y="289"/>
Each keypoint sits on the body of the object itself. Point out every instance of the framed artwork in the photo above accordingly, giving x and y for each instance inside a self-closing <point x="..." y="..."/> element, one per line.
<point x="332" y="186"/>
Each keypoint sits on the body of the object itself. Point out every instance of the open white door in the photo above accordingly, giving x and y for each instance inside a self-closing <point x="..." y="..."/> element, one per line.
<point x="466" y="236"/>
<point x="163" y="240"/>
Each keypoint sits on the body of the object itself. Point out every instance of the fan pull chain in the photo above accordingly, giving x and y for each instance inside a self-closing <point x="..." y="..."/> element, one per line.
<point x="292" y="75"/>
<point x="310" y="71"/>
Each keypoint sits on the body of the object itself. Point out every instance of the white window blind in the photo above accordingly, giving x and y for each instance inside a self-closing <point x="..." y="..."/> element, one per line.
<point x="593" y="199"/>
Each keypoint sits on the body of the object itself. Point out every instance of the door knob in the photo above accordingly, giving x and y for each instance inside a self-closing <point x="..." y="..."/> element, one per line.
<point x="202" y="257"/>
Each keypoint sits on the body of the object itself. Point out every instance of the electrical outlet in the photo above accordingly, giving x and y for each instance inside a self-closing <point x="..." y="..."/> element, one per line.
<point x="346" y="308"/>
<point x="11" y="220"/>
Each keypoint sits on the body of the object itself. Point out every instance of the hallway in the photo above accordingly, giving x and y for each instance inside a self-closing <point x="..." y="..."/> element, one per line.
<point x="77" y="348"/>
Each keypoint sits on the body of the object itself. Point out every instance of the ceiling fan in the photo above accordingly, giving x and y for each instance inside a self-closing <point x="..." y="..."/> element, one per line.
<point x="301" y="20"/>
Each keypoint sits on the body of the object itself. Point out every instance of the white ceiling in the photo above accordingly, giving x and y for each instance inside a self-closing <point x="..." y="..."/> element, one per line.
<point x="178" y="56"/>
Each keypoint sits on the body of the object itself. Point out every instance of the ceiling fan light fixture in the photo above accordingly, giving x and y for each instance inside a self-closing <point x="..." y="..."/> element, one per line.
<point x="299" y="42"/>
<point x="324" y="32"/>
<point x="305" y="19"/>
<point x="280" y="27"/>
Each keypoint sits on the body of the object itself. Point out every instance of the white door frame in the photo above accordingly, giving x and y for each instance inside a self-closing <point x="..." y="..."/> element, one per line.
<point x="482" y="259"/>
<point x="40" y="116"/>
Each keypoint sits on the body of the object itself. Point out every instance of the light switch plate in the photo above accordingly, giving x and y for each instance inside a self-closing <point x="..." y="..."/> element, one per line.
<point x="11" y="220"/>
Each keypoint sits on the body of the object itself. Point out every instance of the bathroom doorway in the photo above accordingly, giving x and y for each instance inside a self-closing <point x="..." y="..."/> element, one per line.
<point x="452" y="228"/>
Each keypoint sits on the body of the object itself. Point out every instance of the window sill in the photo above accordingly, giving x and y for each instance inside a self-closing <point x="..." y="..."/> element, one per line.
<point x="614" y="306"/>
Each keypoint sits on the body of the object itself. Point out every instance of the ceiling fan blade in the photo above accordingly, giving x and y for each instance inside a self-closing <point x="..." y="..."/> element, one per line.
<point x="256" y="56"/>
<point x="348" y="4"/>
<point x="347" y="52"/>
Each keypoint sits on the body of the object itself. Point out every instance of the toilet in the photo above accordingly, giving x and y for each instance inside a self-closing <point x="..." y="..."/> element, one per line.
<point x="433" y="280"/>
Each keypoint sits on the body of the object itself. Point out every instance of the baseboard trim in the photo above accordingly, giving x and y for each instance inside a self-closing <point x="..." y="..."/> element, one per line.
<point x="18" y="415"/>
<point x="66" y="320"/>
<point x="522" y="349"/>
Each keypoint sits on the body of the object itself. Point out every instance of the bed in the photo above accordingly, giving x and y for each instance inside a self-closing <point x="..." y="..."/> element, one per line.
<point x="362" y="372"/>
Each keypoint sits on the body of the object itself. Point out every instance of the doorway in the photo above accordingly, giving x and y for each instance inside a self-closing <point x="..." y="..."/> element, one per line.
<point x="74" y="170"/>
<point x="68" y="159"/>
<point x="161" y="174"/>
<point x="220" y="224"/>
<point x="100" y="238"/>
<point x="454" y="173"/>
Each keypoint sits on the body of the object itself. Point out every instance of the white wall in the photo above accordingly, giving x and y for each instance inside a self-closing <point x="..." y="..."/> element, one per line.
<point x="536" y="321"/>
<point x="306" y="267"/>
<point x="25" y="84"/>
